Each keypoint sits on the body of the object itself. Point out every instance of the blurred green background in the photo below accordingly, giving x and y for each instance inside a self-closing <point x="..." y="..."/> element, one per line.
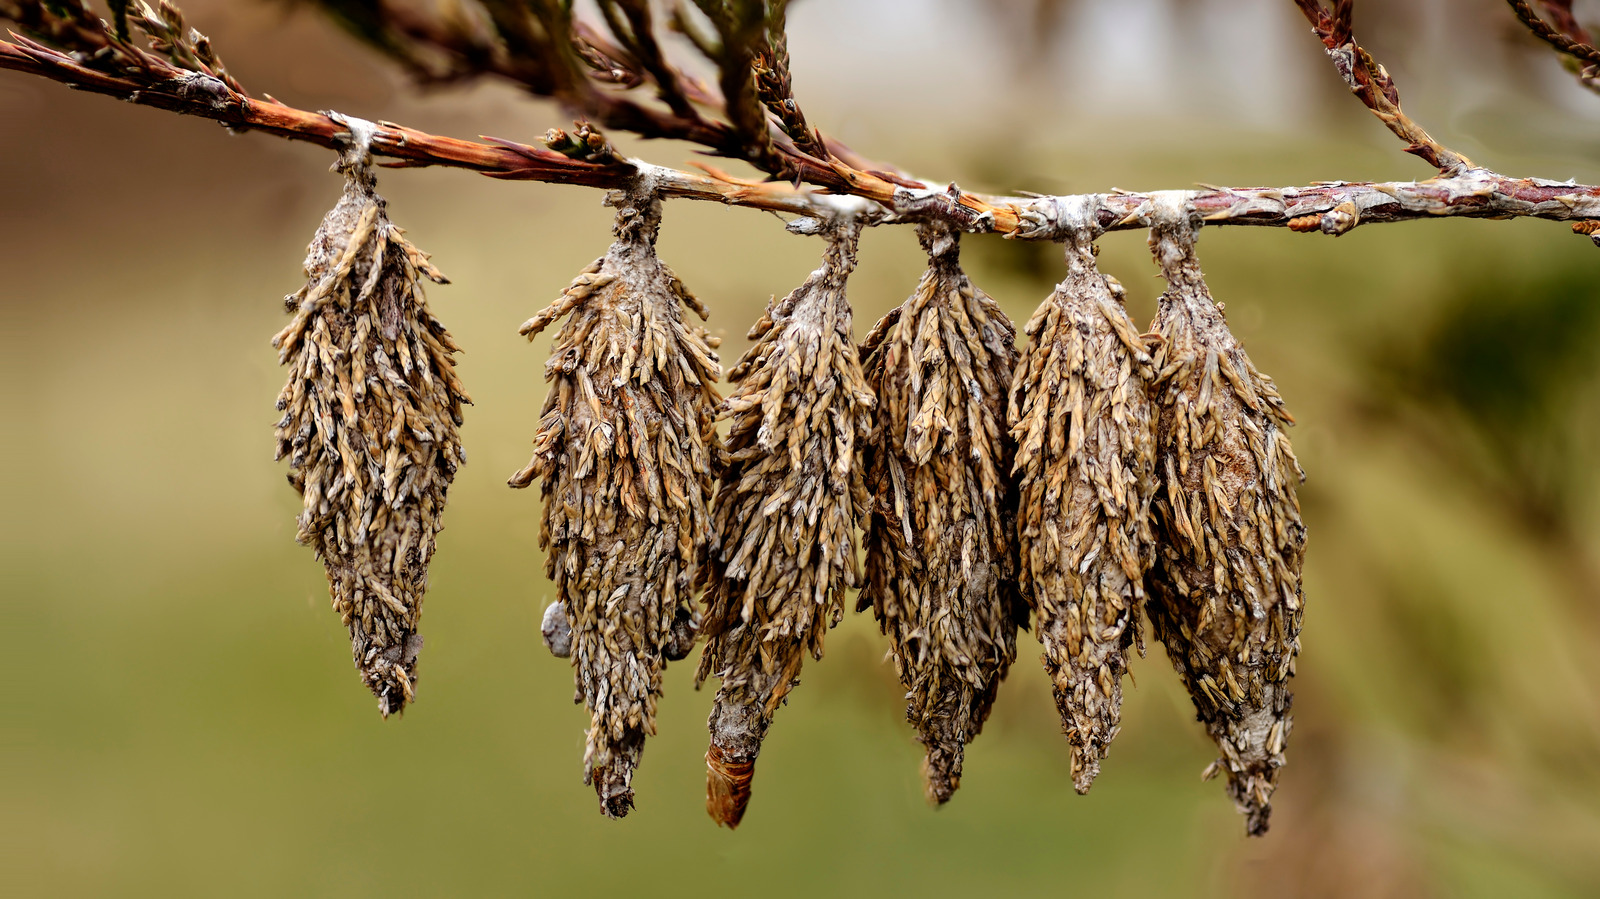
<point x="180" y="714"/>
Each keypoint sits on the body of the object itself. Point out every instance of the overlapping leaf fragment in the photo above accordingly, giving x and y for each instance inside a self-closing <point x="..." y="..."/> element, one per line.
<point x="627" y="452"/>
<point x="1226" y="595"/>
<point x="371" y="413"/>
<point x="941" y="562"/>
<point x="1085" y="464"/>
<point x="783" y="544"/>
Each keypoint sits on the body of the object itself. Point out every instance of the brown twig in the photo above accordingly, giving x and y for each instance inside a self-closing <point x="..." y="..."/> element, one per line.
<point x="632" y="22"/>
<point x="1560" y="12"/>
<point x="775" y="86"/>
<point x="1566" y="36"/>
<point x="1332" y="208"/>
<point x="194" y="93"/>
<point x="89" y="56"/>
<point x="1371" y="82"/>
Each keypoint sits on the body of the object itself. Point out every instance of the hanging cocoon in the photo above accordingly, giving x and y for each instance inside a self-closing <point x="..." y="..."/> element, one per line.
<point x="627" y="453"/>
<point x="1225" y="591"/>
<point x="941" y="562"/>
<point x="783" y="546"/>
<point x="370" y="427"/>
<point x="1085" y="468"/>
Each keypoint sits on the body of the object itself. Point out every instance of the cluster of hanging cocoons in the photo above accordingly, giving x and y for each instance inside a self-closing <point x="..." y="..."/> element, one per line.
<point x="1095" y="474"/>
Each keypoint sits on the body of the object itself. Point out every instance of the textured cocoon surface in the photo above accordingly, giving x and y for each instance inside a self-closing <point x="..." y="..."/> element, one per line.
<point x="370" y="423"/>
<point x="1081" y="416"/>
<point x="783" y="542"/>
<point x="1225" y="592"/>
<point x="941" y="562"/>
<point x="627" y="452"/>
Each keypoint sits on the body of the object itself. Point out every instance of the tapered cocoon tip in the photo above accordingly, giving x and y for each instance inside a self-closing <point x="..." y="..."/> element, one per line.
<point x="727" y="786"/>
<point x="1086" y="767"/>
<point x="614" y="787"/>
<point x="941" y="772"/>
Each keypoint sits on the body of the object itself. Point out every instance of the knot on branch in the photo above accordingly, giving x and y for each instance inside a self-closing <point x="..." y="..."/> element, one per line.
<point x="638" y="209"/>
<point x="946" y="205"/>
<point x="355" y="154"/>
<point x="1059" y="218"/>
<point x="203" y="88"/>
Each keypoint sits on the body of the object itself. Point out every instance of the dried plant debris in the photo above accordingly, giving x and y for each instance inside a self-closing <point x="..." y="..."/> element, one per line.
<point x="627" y="453"/>
<point x="1081" y="416"/>
<point x="941" y="564"/>
<point x="783" y="538"/>
<point x="1225" y="592"/>
<point x="370" y="424"/>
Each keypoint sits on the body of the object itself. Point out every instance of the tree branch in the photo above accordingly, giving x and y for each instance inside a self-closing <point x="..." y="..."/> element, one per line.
<point x="198" y="94"/>
<point x="105" y="64"/>
<point x="1560" y="12"/>
<point x="1371" y="83"/>
<point x="1332" y="208"/>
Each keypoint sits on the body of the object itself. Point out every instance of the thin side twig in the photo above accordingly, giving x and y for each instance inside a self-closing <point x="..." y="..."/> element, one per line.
<point x="1370" y="82"/>
<point x="1565" y="35"/>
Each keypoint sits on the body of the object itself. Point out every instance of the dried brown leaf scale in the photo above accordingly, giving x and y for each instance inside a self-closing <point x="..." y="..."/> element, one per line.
<point x="941" y="564"/>
<point x="1081" y="416"/>
<point x="627" y="452"/>
<point x="370" y="423"/>
<point x="783" y="543"/>
<point x="1225" y="592"/>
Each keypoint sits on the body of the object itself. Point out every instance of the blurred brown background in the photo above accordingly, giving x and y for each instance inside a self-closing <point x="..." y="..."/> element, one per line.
<point x="180" y="712"/>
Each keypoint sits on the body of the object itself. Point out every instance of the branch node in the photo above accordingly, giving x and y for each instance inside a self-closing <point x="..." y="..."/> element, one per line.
<point x="355" y="157"/>
<point x="1173" y="219"/>
<point x="204" y="88"/>
<point x="918" y="204"/>
<point x="1340" y="219"/>
<point x="1053" y="218"/>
